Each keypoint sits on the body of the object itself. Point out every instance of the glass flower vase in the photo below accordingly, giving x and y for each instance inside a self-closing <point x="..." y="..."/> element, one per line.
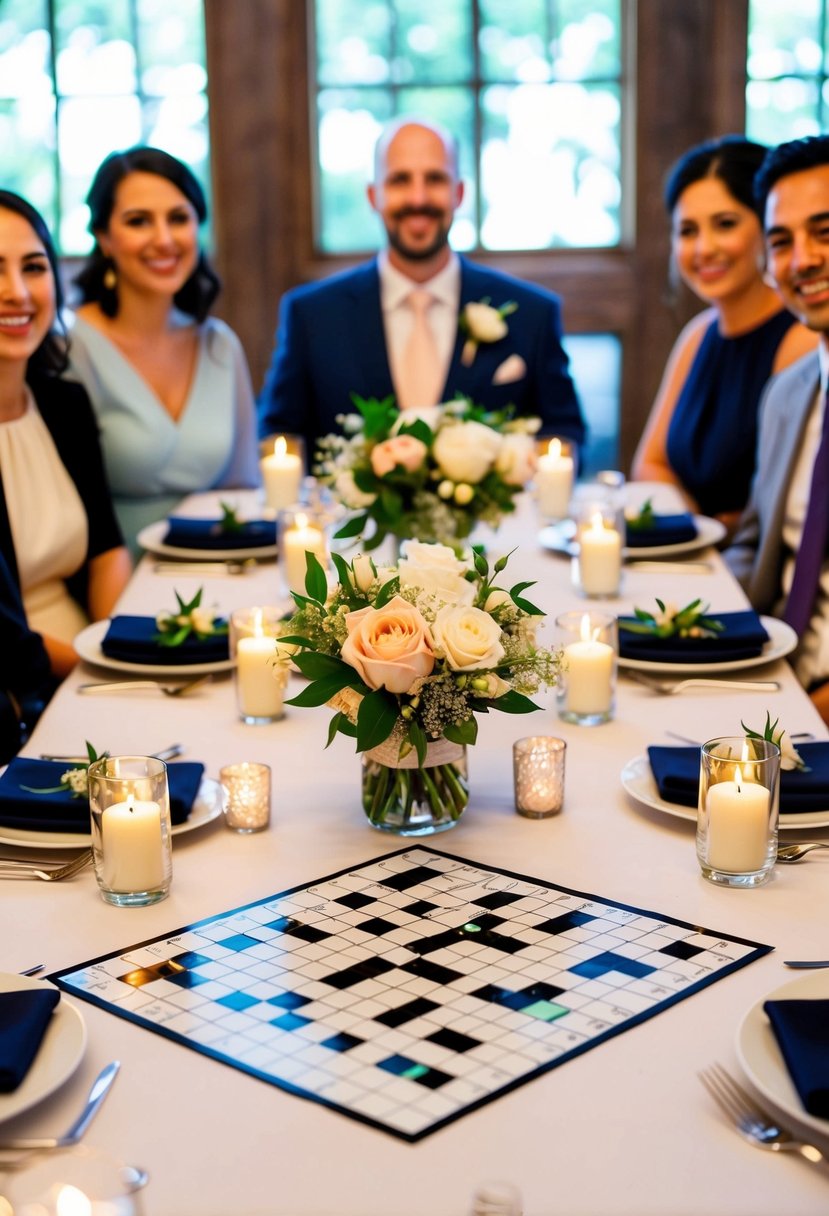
<point x="408" y="799"/>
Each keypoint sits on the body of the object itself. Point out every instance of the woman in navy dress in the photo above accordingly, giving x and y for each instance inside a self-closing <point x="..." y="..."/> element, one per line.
<point x="701" y="435"/>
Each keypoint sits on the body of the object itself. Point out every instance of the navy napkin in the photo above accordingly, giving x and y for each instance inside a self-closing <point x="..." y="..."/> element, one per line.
<point x="61" y="812"/>
<point x="186" y="533"/>
<point x="663" y="530"/>
<point x="802" y="1032"/>
<point x="24" y="1017"/>
<point x="131" y="639"/>
<point x="743" y="637"/>
<point x="676" y="772"/>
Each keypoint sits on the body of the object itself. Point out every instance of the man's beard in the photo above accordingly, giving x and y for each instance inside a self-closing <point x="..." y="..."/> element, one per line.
<point x="420" y="253"/>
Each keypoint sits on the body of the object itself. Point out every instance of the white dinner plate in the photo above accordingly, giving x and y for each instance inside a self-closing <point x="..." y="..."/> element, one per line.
<point x="151" y="539"/>
<point x="782" y="641"/>
<point x="207" y="807"/>
<point x="88" y="646"/>
<point x="761" y="1058"/>
<point x="61" y="1051"/>
<point x="560" y="538"/>
<point x="638" y="780"/>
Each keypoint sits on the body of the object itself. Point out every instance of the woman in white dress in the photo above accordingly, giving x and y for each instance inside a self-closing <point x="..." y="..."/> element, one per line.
<point x="58" y="533"/>
<point x="169" y="384"/>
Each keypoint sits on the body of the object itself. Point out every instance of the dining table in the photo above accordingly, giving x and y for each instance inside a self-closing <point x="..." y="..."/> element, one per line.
<point x="626" y="1127"/>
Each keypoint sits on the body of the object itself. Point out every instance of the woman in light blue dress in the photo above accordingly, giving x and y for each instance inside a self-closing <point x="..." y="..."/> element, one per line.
<point x="169" y="384"/>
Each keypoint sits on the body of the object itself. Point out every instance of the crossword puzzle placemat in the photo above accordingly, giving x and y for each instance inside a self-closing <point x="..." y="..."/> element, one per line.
<point x="410" y="990"/>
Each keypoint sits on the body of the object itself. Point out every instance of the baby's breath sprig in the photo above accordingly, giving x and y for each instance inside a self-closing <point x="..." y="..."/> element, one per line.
<point x="74" y="780"/>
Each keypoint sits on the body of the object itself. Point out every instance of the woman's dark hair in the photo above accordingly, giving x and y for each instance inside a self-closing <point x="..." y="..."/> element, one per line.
<point x="51" y="355"/>
<point x="732" y="159"/>
<point x="198" y="293"/>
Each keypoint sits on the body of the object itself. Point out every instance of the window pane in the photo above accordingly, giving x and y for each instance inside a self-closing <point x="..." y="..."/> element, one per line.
<point x="779" y="110"/>
<point x="353" y="41"/>
<point x="783" y="37"/>
<point x="24" y="49"/>
<point x="589" y="42"/>
<point x="27" y="137"/>
<point x="433" y="41"/>
<point x="349" y="124"/>
<point x="171" y="37"/>
<point x="596" y="367"/>
<point x="513" y="40"/>
<point x="88" y="130"/>
<point x="550" y="166"/>
<point x="94" y="49"/>
<point x="455" y="110"/>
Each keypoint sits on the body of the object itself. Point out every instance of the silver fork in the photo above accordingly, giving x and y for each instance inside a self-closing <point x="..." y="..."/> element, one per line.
<point x="11" y="868"/>
<point x="100" y="1089"/>
<point x="668" y="687"/>
<point x="169" y="690"/>
<point x="799" y="849"/>
<point x="752" y="1121"/>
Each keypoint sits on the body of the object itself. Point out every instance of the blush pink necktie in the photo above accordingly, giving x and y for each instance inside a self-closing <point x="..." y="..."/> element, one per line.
<point x="420" y="377"/>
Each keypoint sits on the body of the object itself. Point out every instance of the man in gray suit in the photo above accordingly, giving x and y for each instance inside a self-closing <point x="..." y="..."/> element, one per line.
<point x="788" y="510"/>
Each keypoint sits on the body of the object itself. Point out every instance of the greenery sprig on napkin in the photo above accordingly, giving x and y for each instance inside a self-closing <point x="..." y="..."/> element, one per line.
<point x="641" y="519"/>
<point x="191" y="618"/>
<point x="74" y="780"/>
<point x="672" y="622"/>
<point x="790" y="758"/>
<point x="230" y="521"/>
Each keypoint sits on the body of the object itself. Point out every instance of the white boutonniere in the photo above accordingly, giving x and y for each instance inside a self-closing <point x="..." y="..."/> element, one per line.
<point x="483" y="323"/>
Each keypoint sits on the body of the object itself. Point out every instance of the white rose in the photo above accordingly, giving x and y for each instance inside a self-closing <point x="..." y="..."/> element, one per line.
<point x="516" y="459"/>
<point x="790" y="757"/>
<point x="202" y="619"/>
<point x="436" y="570"/>
<point x="497" y="598"/>
<point x="363" y="570"/>
<point x="466" y="451"/>
<point x="346" y="491"/>
<point x="485" y="323"/>
<point x="468" y="638"/>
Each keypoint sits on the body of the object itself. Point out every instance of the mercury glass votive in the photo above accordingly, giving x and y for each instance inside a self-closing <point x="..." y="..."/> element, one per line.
<point x="131" y="843"/>
<point x="247" y="796"/>
<point x="738" y="810"/>
<point x="538" y="773"/>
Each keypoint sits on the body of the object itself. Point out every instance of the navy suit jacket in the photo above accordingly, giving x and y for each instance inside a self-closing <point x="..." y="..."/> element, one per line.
<point x="331" y="343"/>
<point x="25" y="678"/>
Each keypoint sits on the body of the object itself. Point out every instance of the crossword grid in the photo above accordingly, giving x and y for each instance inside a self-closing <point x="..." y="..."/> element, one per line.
<point x="412" y="989"/>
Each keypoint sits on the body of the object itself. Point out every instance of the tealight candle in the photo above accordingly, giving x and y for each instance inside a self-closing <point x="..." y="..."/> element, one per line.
<point x="132" y="846"/>
<point x="600" y="558"/>
<point x="586" y="687"/>
<point x="281" y="475"/>
<point x="738" y="813"/>
<point x="538" y="773"/>
<point x="248" y="796"/>
<point x="554" y="481"/>
<point x="737" y="822"/>
<point x="295" y="541"/>
<point x="130" y="813"/>
<point x="261" y="669"/>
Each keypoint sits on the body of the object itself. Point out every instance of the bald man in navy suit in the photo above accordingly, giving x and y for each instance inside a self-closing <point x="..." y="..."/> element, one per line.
<point x="348" y="334"/>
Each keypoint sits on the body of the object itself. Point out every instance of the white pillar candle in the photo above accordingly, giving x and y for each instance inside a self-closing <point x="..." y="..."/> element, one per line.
<point x="132" y="846"/>
<point x="281" y="476"/>
<point x="589" y="676"/>
<point x="554" y="481"/>
<point x="738" y="826"/>
<point x="600" y="558"/>
<point x="259" y="691"/>
<point x="296" y="542"/>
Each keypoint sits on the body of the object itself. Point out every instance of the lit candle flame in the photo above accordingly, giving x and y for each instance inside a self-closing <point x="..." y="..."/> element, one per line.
<point x="258" y="630"/>
<point x="72" y="1202"/>
<point x="280" y="447"/>
<point x="586" y="634"/>
<point x="554" y="448"/>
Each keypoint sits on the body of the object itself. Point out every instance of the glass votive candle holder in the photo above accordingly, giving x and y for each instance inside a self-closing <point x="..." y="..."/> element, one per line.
<point x="599" y="539"/>
<point x="247" y="796"/>
<point x="738" y="810"/>
<point x="282" y="465"/>
<point x="131" y="843"/>
<point x="554" y="474"/>
<point x="300" y="530"/>
<point x="261" y="668"/>
<point x="586" y="688"/>
<point x="79" y="1181"/>
<point x="538" y="773"/>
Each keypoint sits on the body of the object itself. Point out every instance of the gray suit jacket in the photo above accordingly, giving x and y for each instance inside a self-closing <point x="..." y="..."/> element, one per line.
<point x="756" y="555"/>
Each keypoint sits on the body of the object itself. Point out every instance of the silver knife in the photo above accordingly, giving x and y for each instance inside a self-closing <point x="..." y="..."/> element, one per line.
<point x="73" y="1134"/>
<point x="169" y="753"/>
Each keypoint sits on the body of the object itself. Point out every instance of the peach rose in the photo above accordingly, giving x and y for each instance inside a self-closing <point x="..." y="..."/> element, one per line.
<point x="402" y="450"/>
<point x="389" y="647"/>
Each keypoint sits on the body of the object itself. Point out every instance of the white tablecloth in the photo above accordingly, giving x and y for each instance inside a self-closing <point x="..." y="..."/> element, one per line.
<point x="626" y="1128"/>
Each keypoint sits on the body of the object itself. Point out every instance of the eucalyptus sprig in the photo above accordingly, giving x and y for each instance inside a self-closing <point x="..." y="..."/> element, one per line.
<point x="74" y="780"/>
<point x="672" y="622"/>
<point x="790" y="757"/>
<point x="191" y="618"/>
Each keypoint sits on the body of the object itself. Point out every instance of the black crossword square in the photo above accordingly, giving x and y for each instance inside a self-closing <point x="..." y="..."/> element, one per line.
<point x="307" y="933"/>
<point x="377" y="925"/>
<point x="427" y="970"/>
<point x="406" y="1013"/>
<point x="368" y="969"/>
<point x="453" y="1040"/>
<point x="354" y="900"/>
<point x="482" y="923"/>
<point x="681" y="950"/>
<point x="420" y="907"/>
<point x="409" y="878"/>
<point x="341" y="1042"/>
<point x="496" y="899"/>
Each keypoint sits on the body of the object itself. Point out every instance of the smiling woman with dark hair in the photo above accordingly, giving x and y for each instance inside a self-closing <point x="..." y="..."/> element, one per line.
<point x="168" y="382"/>
<point x="702" y="432"/>
<point x="58" y="534"/>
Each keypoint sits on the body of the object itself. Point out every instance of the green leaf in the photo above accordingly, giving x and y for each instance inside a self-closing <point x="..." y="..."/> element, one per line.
<point x="481" y="564"/>
<point x="418" y="429"/>
<point x="462" y="732"/>
<point x="417" y="737"/>
<point x="353" y="527"/>
<point x="316" y="584"/>
<point x="318" y="666"/>
<point x="291" y="639"/>
<point x="513" y="702"/>
<point x="376" y="717"/>
<point x="321" y="691"/>
<point x="387" y="592"/>
<point x="375" y="541"/>
<point x="392" y="503"/>
<point x="343" y="571"/>
<point x="520" y="602"/>
<point x="340" y="723"/>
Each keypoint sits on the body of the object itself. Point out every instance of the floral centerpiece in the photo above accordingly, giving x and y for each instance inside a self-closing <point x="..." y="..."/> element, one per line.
<point x="431" y="474"/>
<point x="407" y="656"/>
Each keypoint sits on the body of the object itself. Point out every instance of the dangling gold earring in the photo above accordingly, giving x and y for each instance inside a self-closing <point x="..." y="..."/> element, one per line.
<point x="110" y="278"/>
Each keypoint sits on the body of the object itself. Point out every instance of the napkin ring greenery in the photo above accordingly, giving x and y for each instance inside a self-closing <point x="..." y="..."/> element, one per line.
<point x="483" y="323"/>
<point x="790" y="757"/>
<point x="230" y="521"/>
<point x="672" y="622"/>
<point x="74" y="780"/>
<point x="645" y="517"/>
<point x="191" y="619"/>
